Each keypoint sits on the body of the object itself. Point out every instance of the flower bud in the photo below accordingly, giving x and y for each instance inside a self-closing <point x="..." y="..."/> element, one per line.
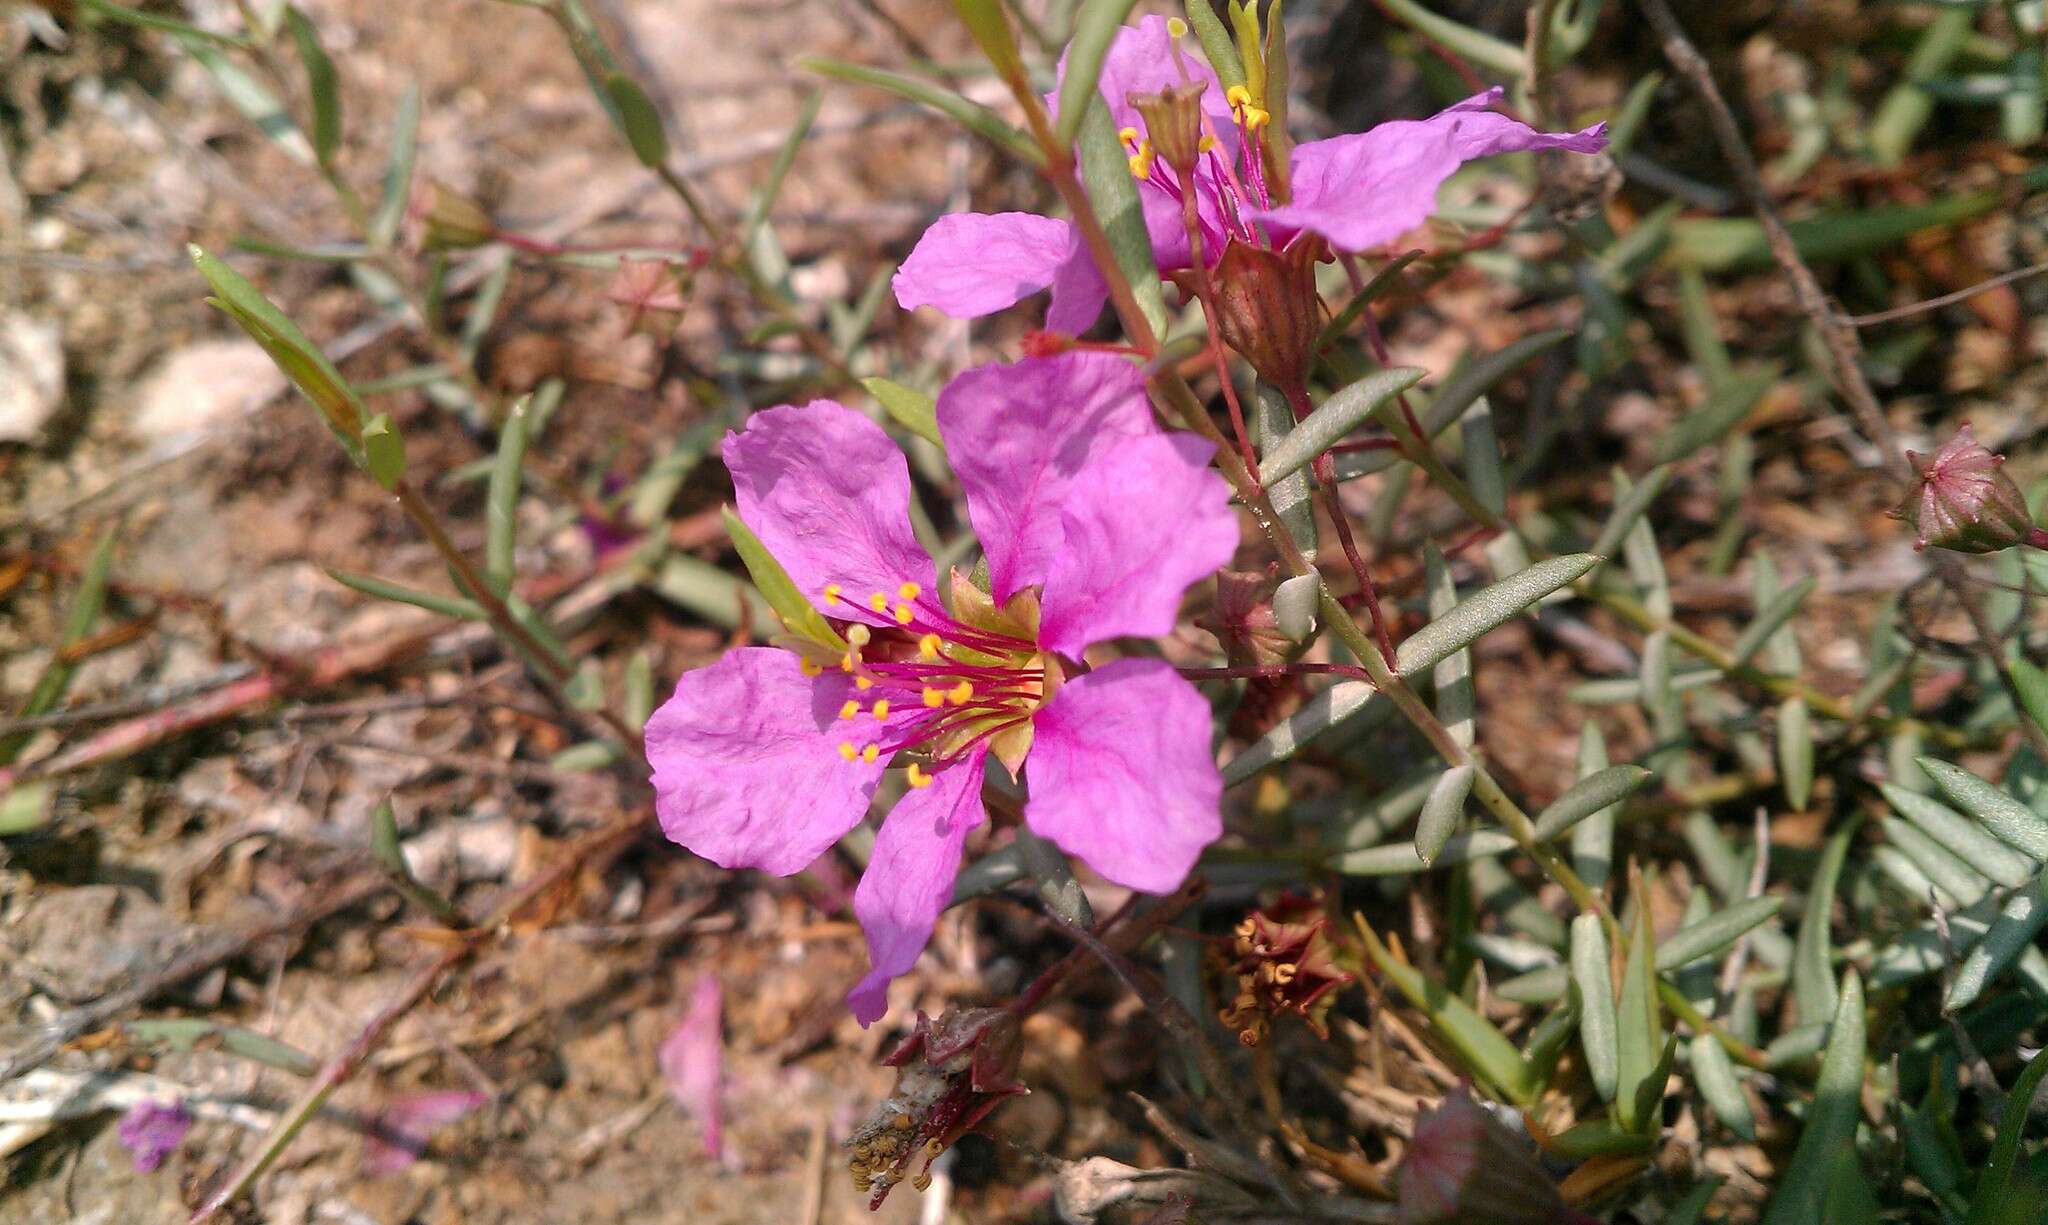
<point x="950" y="1073"/>
<point x="1173" y="124"/>
<point x="438" y="218"/>
<point x="1965" y="502"/>
<point x="1266" y="306"/>
<point x="1284" y="963"/>
<point x="1463" y="1165"/>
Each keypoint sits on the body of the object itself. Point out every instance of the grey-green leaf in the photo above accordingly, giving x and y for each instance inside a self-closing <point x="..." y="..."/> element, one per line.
<point x="1598" y="1029"/>
<point x="1714" y="1073"/>
<point x="1442" y="811"/>
<point x="1961" y="836"/>
<point x="1095" y="27"/>
<point x="1486" y="609"/>
<point x="321" y="87"/>
<point x="1831" y="1121"/>
<point x="908" y="407"/>
<point x="1400" y="859"/>
<point x="1591" y="794"/>
<point x="638" y="120"/>
<point x="1335" y="417"/>
<point x="2010" y="820"/>
<point x="2012" y="933"/>
<point x="1340" y="702"/>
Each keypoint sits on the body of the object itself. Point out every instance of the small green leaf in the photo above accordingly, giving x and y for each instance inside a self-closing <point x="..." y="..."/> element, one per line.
<point x="1994" y="1186"/>
<point x="1770" y="618"/>
<point x="639" y="698"/>
<point x="1095" y="27"/>
<point x="1442" y="811"/>
<point x="251" y="97"/>
<point x="446" y="605"/>
<point x="1715" y="932"/>
<point x="1592" y="794"/>
<point x="302" y="362"/>
<point x="186" y="1033"/>
<point x="908" y="407"/>
<point x="1106" y="175"/>
<point x="2012" y="933"/>
<point x="1481" y="49"/>
<point x="405" y="140"/>
<point x="501" y="504"/>
<point x="1831" y="1120"/>
<point x="1639" y="1034"/>
<point x="1340" y="703"/>
<point x="1813" y="980"/>
<point x="1292" y="497"/>
<point x="1628" y="508"/>
<point x="384" y="451"/>
<point x="1723" y="410"/>
<point x="28" y="805"/>
<point x="585" y="757"/>
<point x="1795" y="751"/>
<point x="1593" y="835"/>
<point x="797" y="613"/>
<point x="384" y="848"/>
<point x="763" y="199"/>
<point x="1487" y="609"/>
<point x="1054" y="876"/>
<point x="2032" y="683"/>
<point x="1599" y="1032"/>
<point x="638" y="121"/>
<point x="1471" y="1037"/>
<point x="25" y="808"/>
<point x="321" y="87"/>
<point x="1337" y="416"/>
<point x="1217" y="44"/>
<point x="990" y="27"/>
<point x="1961" y="836"/>
<point x="1456" y="704"/>
<point x="1402" y="858"/>
<point x="1714" y="1073"/>
<point x="1295" y="602"/>
<point x="2013" y="822"/>
<point x="973" y="116"/>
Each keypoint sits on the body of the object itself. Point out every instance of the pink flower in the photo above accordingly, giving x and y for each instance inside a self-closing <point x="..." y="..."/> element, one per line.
<point x="1357" y="191"/>
<point x="1093" y="523"/>
<point x="152" y="1132"/>
<point x="692" y="1060"/>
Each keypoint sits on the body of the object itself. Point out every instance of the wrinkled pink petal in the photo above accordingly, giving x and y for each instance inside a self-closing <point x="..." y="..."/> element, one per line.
<point x="1371" y="187"/>
<point x="829" y="495"/>
<point x="692" y="1060"/>
<point x="399" y="1133"/>
<point x="153" y="1131"/>
<point x="973" y="264"/>
<point x="910" y="877"/>
<point x="1018" y="434"/>
<point x="748" y="769"/>
<point x="1141" y="524"/>
<point x="1121" y="774"/>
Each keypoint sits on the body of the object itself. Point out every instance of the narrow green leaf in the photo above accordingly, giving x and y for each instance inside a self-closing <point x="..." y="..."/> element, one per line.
<point x="1831" y="1121"/>
<point x="1628" y="508"/>
<point x="1962" y="883"/>
<point x="1795" y="751"/>
<point x="1723" y="410"/>
<point x="584" y="757"/>
<point x="1593" y="837"/>
<point x="1693" y="1208"/>
<point x="796" y="612"/>
<point x="405" y="140"/>
<point x="1335" y="417"/>
<point x="763" y="200"/>
<point x="2032" y="683"/>
<point x="1054" y="876"/>
<point x="1094" y="28"/>
<point x="321" y="87"/>
<point x="1487" y="609"/>
<point x="1217" y="44"/>
<point x="1961" y="836"/>
<point x="1906" y="109"/>
<point x="1596" y="792"/>
<point x="25" y="809"/>
<point x="1475" y="377"/>
<point x="1481" y="49"/>
<point x="384" y="848"/>
<point x="1714" y="1073"/>
<point x="251" y="97"/>
<point x="1106" y="175"/>
<point x="1599" y="1032"/>
<point x="639" y="697"/>
<point x="714" y="595"/>
<point x="1456" y="704"/>
<point x="186" y="1033"/>
<point x="973" y="116"/>
<point x="384" y="451"/>
<point x="908" y="407"/>
<point x="2013" y="822"/>
<point x="1770" y="618"/>
<point x="300" y="360"/>
<point x="447" y="605"/>
<point x="1340" y="703"/>
<point x="1402" y="858"/>
<point x="1442" y="811"/>
<point x="151" y="21"/>
<point x="639" y="121"/>
<point x="1994" y="1186"/>
<point x="990" y="27"/>
<point x="1639" y="1034"/>
<point x="501" y="504"/>
<point x="1715" y="932"/>
<point x="1292" y="496"/>
<point x="1477" y="1043"/>
<point x="2011" y="933"/>
<point x="1813" y="980"/>
<point x="1702" y="328"/>
<point x="1295" y="602"/>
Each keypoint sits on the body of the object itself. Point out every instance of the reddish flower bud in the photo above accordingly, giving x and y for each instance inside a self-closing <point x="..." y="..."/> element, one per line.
<point x="1266" y="306"/>
<point x="1463" y="1165"/>
<point x="439" y="218"/>
<point x="950" y="1073"/>
<point x="1173" y="124"/>
<point x="1285" y="963"/>
<point x="1965" y="502"/>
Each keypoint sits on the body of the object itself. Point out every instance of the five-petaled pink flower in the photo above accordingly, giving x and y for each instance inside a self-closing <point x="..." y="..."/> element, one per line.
<point x="1357" y="191"/>
<point x="1093" y="523"/>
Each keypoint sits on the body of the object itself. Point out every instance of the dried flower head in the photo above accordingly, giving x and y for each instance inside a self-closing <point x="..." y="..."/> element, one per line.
<point x="950" y="1074"/>
<point x="1284" y="962"/>
<point x="1965" y="502"/>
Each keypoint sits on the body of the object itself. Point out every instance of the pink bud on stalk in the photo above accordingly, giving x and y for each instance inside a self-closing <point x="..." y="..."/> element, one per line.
<point x="1964" y="501"/>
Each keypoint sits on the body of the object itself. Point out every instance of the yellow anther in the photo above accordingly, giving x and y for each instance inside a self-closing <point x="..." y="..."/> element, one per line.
<point x="1254" y="117"/>
<point x="809" y="667"/>
<point x="879" y="601"/>
<point x="909" y="591"/>
<point x="1176" y="28"/>
<point x="934" y="697"/>
<point x="831" y="592"/>
<point x="881" y="708"/>
<point x="846" y="662"/>
<point x="858" y="635"/>
<point x="917" y="777"/>
<point x="1205" y="144"/>
<point x="959" y="693"/>
<point x="863" y="684"/>
<point x="903" y="614"/>
<point x="1141" y="161"/>
<point x="1129" y="137"/>
<point x="928" y="646"/>
<point x="850" y="710"/>
<point x="847" y="750"/>
<point x="871" y="752"/>
<point x="1238" y="96"/>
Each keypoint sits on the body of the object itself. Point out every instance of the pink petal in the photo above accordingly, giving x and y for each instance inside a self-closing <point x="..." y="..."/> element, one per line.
<point x="692" y="1060"/>
<point x="399" y="1133"/>
<point x="748" y="770"/>
<point x="1017" y="434"/>
<point x="1140" y="525"/>
<point x="1371" y="187"/>
<point x="973" y="264"/>
<point x="1121" y="774"/>
<point x="1141" y="60"/>
<point x="829" y="495"/>
<point x="153" y="1131"/>
<point x="910" y="877"/>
